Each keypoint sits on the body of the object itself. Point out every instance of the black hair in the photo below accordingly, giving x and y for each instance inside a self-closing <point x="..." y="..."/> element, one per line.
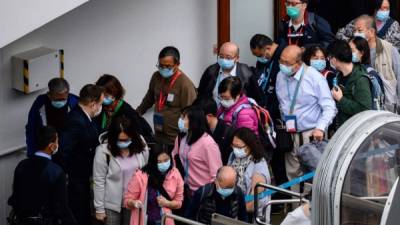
<point x="58" y="85"/>
<point x="170" y="51"/>
<point x="378" y="4"/>
<point x="156" y="178"/>
<point x="208" y="105"/>
<point x="252" y="142"/>
<point x="197" y="123"/>
<point x="260" y="41"/>
<point x="311" y="50"/>
<point x="111" y="86"/>
<point x="231" y="84"/>
<point x="341" y="50"/>
<point x="362" y="46"/>
<point x="44" y="136"/>
<point x="123" y="124"/>
<point x="90" y="93"/>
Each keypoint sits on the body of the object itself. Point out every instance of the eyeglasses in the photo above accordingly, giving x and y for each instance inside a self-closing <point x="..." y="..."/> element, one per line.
<point x="159" y="66"/>
<point x="293" y="3"/>
<point x="228" y="57"/>
<point x="233" y="146"/>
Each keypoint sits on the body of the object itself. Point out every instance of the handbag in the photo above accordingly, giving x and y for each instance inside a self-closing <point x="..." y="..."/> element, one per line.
<point x="284" y="140"/>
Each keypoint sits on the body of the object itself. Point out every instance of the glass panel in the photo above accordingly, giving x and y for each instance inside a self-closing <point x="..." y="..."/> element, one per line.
<point x="371" y="176"/>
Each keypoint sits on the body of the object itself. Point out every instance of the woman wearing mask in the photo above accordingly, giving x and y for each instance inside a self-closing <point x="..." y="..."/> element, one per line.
<point x="248" y="161"/>
<point x="121" y="153"/>
<point x="235" y="107"/>
<point x="154" y="190"/>
<point x="114" y="106"/>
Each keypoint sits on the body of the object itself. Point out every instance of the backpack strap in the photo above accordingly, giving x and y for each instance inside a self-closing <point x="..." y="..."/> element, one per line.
<point x="382" y="32"/>
<point x="312" y="21"/>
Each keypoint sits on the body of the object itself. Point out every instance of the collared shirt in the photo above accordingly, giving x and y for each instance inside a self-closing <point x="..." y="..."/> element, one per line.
<point x="314" y="107"/>
<point x="296" y="27"/>
<point x="87" y="114"/>
<point x="42" y="154"/>
<point x="222" y="75"/>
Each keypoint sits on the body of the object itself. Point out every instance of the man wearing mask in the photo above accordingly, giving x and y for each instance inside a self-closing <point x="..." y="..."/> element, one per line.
<point x="227" y="65"/>
<point x="306" y="102"/>
<point x="78" y="144"/>
<point x="222" y="196"/>
<point x="170" y="90"/>
<point x="302" y="27"/>
<point x="49" y="109"/>
<point x="384" y="58"/>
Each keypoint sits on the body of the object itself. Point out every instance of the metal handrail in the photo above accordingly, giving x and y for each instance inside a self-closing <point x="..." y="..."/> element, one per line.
<point x="178" y="218"/>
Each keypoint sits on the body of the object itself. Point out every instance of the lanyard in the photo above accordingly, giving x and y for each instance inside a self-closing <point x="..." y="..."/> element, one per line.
<point x="293" y="100"/>
<point x="163" y="97"/>
<point x="296" y="35"/>
<point x="104" y="119"/>
<point x="264" y="80"/>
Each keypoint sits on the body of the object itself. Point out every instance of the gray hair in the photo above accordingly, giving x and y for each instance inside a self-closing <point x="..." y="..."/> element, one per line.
<point x="221" y="173"/>
<point x="58" y="85"/>
<point x="369" y="21"/>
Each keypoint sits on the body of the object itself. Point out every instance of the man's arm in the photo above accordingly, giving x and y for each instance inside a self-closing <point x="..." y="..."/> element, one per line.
<point x="148" y="100"/>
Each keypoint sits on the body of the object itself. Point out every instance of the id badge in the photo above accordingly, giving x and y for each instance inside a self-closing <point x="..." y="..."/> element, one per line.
<point x="170" y="97"/>
<point x="158" y="121"/>
<point x="291" y="123"/>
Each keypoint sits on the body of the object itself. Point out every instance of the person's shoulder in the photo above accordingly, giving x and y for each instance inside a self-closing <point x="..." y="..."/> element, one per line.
<point x="40" y="101"/>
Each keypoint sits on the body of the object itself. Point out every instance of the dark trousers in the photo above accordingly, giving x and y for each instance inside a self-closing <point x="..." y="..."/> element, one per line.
<point x="279" y="171"/>
<point x="79" y="199"/>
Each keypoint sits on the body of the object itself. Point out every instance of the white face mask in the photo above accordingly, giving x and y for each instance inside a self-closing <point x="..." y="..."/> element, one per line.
<point x="239" y="152"/>
<point x="55" y="151"/>
<point x="98" y="111"/>
<point x="227" y="103"/>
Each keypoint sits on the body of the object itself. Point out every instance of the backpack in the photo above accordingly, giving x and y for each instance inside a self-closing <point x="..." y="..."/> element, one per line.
<point x="266" y="129"/>
<point x="377" y="89"/>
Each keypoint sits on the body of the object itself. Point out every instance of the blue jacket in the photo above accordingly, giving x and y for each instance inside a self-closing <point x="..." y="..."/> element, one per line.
<point x="38" y="118"/>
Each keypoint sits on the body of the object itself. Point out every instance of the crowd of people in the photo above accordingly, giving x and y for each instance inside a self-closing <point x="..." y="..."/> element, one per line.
<point x="93" y="157"/>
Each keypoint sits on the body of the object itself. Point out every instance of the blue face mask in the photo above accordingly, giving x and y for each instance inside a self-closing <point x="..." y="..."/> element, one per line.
<point x="318" y="64"/>
<point x="58" y="104"/>
<point x="225" y="192"/>
<point x="108" y="100"/>
<point x="181" y="126"/>
<point x="163" y="167"/>
<point x="123" y="144"/>
<point x="262" y="60"/>
<point x="354" y="57"/>
<point x="292" y="12"/>
<point x="382" y="15"/>
<point x="165" y="72"/>
<point x="226" y="64"/>
<point x="287" y="70"/>
<point x="239" y="153"/>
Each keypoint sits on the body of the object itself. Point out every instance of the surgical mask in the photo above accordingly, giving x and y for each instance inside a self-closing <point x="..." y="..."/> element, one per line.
<point x="225" y="192"/>
<point x="163" y="167"/>
<point x="181" y="126"/>
<point x="226" y="64"/>
<point x="123" y="144"/>
<point x="55" y="151"/>
<point x="287" y="70"/>
<point x="382" y="15"/>
<point x="293" y="12"/>
<point x="262" y="60"/>
<point x="360" y="34"/>
<point x="354" y="57"/>
<point x="108" y="101"/>
<point x="227" y="103"/>
<point x="166" y="73"/>
<point x="318" y="64"/>
<point x="239" y="152"/>
<point x="98" y="111"/>
<point x="59" y="104"/>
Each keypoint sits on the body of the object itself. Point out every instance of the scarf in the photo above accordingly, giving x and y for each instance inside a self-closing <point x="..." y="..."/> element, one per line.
<point x="240" y="165"/>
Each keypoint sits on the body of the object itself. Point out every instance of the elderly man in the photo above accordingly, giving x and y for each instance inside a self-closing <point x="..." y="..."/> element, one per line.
<point x="384" y="58"/>
<point x="228" y="65"/>
<point x="221" y="196"/>
<point x="303" y="27"/>
<point x="49" y="110"/>
<point x="306" y="103"/>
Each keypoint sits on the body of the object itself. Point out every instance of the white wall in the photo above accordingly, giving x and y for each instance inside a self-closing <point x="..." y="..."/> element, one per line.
<point x="248" y="19"/>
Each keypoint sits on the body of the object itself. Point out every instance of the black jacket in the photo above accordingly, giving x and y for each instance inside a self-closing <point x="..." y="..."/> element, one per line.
<point x="210" y="75"/>
<point x="223" y="137"/>
<point x="316" y="31"/>
<point x="78" y="144"/>
<point x="39" y="187"/>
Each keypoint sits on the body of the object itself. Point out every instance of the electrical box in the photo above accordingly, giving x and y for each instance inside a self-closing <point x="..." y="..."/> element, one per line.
<point x="33" y="69"/>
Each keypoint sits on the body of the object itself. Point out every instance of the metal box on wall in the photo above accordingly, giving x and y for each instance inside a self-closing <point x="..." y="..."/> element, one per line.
<point x="33" y="69"/>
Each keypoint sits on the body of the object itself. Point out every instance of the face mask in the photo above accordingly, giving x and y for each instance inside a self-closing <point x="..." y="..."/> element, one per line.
<point x="163" y="167"/>
<point x="382" y="15"/>
<point x="166" y="73"/>
<point x="181" y="126"/>
<point x="123" y="144"/>
<point x="239" y="152"/>
<point x="55" y="151"/>
<point x="227" y="103"/>
<point x="293" y="12"/>
<point x="287" y="70"/>
<point x="98" y="111"/>
<point x="332" y="66"/>
<point x="359" y="34"/>
<point x="59" y="104"/>
<point x="262" y="60"/>
<point x="108" y="101"/>
<point x="318" y="64"/>
<point x="225" y="192"/>
<point x="226" y="64"/>
<point x="354" y="57"/>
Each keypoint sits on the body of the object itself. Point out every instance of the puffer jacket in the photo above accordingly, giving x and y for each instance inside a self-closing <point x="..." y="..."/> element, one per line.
<point x="246" y="117"/>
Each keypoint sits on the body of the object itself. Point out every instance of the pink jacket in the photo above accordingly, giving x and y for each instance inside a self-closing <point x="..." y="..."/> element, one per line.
<point x="137" y="189"/>
<point x="245" y="118"/>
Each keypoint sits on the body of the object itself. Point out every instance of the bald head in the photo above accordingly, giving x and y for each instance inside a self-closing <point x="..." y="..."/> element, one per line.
<point x="226" y="177"/>
<point x="229" y="49"/>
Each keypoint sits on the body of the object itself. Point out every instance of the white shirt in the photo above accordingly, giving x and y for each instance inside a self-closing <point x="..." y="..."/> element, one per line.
<point x="296" y="27"/>
<point x="42" y="154"/>
<point x="221" y="76"/>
